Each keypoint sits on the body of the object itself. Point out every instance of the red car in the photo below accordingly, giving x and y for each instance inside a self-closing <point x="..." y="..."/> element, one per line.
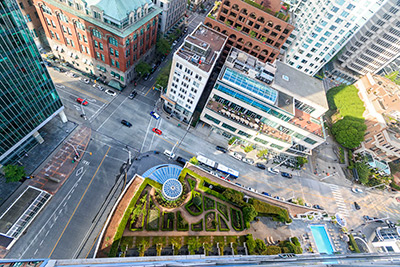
<point x="82" y="101"/>
<point x="157" y="131"/>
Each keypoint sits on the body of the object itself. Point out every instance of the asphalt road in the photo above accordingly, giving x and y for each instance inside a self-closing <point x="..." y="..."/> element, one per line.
<point x="69" y="225"/>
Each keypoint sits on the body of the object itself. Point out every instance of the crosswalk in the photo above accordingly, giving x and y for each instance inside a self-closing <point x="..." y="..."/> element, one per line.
<point x="341" y="205"/>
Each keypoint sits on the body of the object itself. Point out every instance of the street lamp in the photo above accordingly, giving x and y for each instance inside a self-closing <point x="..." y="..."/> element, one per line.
<point x="83" y="115"/>
<point x="176" y="146"/>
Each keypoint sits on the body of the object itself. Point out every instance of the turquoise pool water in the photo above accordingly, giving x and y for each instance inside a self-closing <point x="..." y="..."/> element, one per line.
<point x="321" y="239"/>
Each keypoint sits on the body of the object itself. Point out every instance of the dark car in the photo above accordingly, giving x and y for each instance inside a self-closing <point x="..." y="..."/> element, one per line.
<point x="222" y="149"/>
<point x="132" y="95"/>
<point x="318" y="207"/>
<point x="146" y="77"/>
<point x="286" y="175"/>
<point x="260" y="166"/>
<point x="58" y="69"/>
<point x="266" y="194"/>
<point x="181" y="160"/>
<point x="376" y="219"/>
<point x="238" y="184"/>
<point x="126" y="123"/>
<point x="356" y="206"/>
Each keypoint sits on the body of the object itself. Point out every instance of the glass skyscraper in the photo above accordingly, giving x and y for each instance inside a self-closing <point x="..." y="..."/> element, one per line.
<point x="28" y="98"/>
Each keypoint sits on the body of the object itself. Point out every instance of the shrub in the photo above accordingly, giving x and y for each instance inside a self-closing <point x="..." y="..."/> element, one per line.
<point x="234" y="196"/>
<point x="251" y="244"/>
<point x="353" y="244"/>
<point x="209" y="204"/>
<point x="265" y="209"/>
<point x="233" y="139"/>
<point x="13" y="173"/>
<point x="194" y="161"/>
<point x="196" y="201"/>
<point x="262" y="153"/>
<point x="236" y="220"/>
<point x="192" y="184"/>
<point x="295" y="241"/>
<point x="213" y="223"/>
<point x="249" y="213"/>
<point x="181" y="223"/>
<point x="260" y="246"/>
<point x="273" y="250"/>
<point x="248" y="148"/>
<point x="168" y="221"/>
<point x="191" y="206"/>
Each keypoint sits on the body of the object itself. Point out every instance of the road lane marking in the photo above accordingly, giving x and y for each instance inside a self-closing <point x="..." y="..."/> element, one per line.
<point x="77" y="206"/>
<point x="147" y="92"/>
<point x="111" y="115"/>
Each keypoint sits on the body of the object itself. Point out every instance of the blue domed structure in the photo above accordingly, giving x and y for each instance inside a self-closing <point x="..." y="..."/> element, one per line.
<point x="172" y="189"/>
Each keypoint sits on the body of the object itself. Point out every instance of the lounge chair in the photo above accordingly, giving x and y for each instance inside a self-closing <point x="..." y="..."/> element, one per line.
<point x="272" y="240"/>
<point x="268" y="241"/>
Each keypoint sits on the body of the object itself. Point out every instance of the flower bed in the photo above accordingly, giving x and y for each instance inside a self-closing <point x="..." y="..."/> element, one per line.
<point x="209" y="204"/>
<point x="223" y="226"/>
<point x="153" y="217"/>
<point x="181" y="223"/>
<point x="197" y="226"/>
<point x="236" y="220"/>
<point x="223" y="209"/>
<point x="168" y="221"/>
<point x="210" y="221"/>
<point x="139" y="213"/>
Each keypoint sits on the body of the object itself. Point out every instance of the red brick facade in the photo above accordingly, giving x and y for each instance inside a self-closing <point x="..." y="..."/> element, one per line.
<point x="88" y="40"/>
<point x="250" y="29"/>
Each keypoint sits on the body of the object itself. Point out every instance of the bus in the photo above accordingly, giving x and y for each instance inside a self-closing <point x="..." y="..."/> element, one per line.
<point x="208" y="162"/>
<point x="231" y="172"/>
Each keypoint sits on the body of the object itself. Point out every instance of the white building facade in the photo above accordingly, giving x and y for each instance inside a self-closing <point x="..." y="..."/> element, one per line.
<point x="191" y="68"/>
<point x="323" y="27"/>
<point x="172" y="15"/>
<point x="271" y="106"/>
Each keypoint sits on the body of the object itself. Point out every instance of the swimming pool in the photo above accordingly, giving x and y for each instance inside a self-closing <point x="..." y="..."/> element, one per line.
<point x="321" y="239"/>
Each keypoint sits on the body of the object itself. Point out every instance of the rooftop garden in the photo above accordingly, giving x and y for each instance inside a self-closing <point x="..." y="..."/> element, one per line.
<point x="206" y="219"/>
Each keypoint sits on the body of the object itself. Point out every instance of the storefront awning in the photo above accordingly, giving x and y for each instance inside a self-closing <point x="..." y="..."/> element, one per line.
<point x="115" y="84"/>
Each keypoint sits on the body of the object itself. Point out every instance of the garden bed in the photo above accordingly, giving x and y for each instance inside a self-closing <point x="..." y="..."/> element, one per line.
<point x="181" y="223"/>
<point x="194" y="208"/>
<point x="209" y="204"/>
<point x="197" y="226"/>
<point x="223" y="226"/>
<point x="168" y="221"/>
<point x="236" y="219"/>
<point x="210" y="221"/>
<point x="223" y="209"/>
<point x="139" y="213"/>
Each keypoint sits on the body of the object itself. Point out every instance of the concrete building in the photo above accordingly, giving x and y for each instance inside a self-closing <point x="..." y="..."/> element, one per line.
<point x="172" y="15"/>
<point x="32" y="20"/>
<point x="259" y="28"/>
<point x="270" y="105"/>
<point x="373" y="47"/>
<point x="28" y="98"/>
<point x="323" y="28"/>
<point x="192" y="65"/>
<point x="106" y="38"/>
<point x="386" y="240"/>
<point x="381" y="99"/>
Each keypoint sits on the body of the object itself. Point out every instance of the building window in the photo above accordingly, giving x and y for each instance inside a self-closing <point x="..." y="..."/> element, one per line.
<point x="113" y="41"/>
<point x="117" y="64"/>
<point x="244" y="134"/>
<point x="63" y="17"/>
<point x="84" y="38"/>
<point x="96" y="33"/>
<point x="260" y="140"/>
<point x="97" y="55"/>
<point x="96" y="44"/>
<point x="112" y="62"/>
<point x="101" y="46"/>
<point x="276" y="146"/>
<point x="102" y="57"/>
<point x="310" y="141"/>
<point x="116" y="53"/>
<point x="233" y="129"/>
<point x="46" y="9"/>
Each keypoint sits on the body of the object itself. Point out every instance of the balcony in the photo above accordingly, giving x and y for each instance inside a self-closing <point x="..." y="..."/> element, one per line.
<point x="247" y="121"/>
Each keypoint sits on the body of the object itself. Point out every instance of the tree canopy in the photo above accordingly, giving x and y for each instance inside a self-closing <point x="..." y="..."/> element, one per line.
<point x="163" y="76"/>
<point x="143" y="68"/>
<point x="13" y="173"/>
<point x="249" y="213"/>
<point x="163" y="47"/>
<point x="363" y="171"/>
<point x="349" y="132"/>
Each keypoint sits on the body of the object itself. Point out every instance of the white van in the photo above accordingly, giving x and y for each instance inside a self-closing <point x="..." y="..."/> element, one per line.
<point x="169" y="154"/>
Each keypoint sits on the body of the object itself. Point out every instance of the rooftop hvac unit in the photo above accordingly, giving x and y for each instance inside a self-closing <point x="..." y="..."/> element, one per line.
<point x="195" y="58"/>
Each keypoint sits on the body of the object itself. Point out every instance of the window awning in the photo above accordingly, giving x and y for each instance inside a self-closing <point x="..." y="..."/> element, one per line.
<point x="115" y="84"/>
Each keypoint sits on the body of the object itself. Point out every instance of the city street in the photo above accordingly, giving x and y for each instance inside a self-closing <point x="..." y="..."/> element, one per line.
<point x="69" y="226"/>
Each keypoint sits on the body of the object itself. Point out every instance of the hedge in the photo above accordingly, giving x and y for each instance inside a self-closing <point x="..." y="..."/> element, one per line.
<point x="125" y="218"/>
<point x="190" y="203"/>
<point x="170" y="217"/>
<point x="273" y="250"/>
<point x="353" y="244"/>
<point x="181" y="223"/>
<point x="265" y="209"/>
<point x="210" y="200"/>
<point x="200" y="223"/>
<point x="219" y="223"/>
<point x="223" y="209"/>
<point x="239" y="219"/>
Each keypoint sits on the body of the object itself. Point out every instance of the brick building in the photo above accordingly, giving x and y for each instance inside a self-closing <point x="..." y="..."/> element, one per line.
<point x="381" y="99"/>
<point x="105" y="38"/>
<point x="252" y="26"/>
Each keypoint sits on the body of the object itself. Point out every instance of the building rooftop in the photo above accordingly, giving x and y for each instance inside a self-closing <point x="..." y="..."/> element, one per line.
<point x="118" y="9"/>
<point x="202" y="47"/>
<point x="297" y="83"/>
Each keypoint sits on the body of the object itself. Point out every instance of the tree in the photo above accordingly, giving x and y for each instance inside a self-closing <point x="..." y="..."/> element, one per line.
<point x="197" y="201"/>
<point x="193" y="245"/>
<point x="363" y="171"/>
<point x="194" y="161"/>
<point x="163" y="47"/>
<point x="301" y="161"/>
<point x="143" y="246"/>
<point x="163" y="76"/>
<point x="349" y="132"/>
<point x="143" y="68"/>
<point x="260" y="246"/>
<point x="207" y="248"/>
<point x="13" y="173"/>
<point x="177" y="242"/>
<point x="249" y="213"/>
<point x="251" y="244"/>
<point x="262" y="153"/>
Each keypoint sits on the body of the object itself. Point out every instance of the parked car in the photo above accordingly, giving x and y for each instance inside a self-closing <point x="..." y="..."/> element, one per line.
<point x="174" y="43"/>
<point x="110" y="92"/>
<point x="308" y="205"/>
<point x="237" y="156"/>
<point x="155" y="115"/>
<point x="222" y="149"/>
<point x="58" y="69"/>
<point x="181" y="160"/>
<point x="279" y="198"/>
<point x="84" y="80"/>
<point x="356" y="190"/>
<point x="238" y="184"/>
<point x="390" y="224"/>
<point x="146" y="77"/>
<point x="82" y="101"/>
<point x="273" y="171"/>
<point x="266" y="194"/>
<point x="132" y="95"/>
<point x="367" y="218"/>
<point x="252" y="190"/>
<point x="98" y="86"/>
<point x="356" y="206"/>
<point x="286" y="175"/>
<point x="248" y="161"/>
<point x="126" y="123"/>
<point x="157" y="131"/>
<point x="260" y="166"/>
<point x="169" y="154"/>
<point x="318" y="207"/>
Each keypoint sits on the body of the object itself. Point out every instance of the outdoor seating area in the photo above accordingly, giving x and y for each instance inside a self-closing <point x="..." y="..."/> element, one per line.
<point x="242" y="118"/>
<point x="303" y="120"/>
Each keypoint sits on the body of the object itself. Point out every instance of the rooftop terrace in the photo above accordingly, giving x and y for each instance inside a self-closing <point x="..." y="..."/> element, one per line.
<point x="202" y="47"/>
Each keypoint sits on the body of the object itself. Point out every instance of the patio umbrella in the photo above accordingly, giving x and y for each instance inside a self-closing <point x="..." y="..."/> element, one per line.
<point x="247" y="122"/>
<point x="257" y="120"/>
<point x="340" y="220"/>
<point x="223" y="111"/>
<point x="251" y="124"/>
<point x="256" y="126"/>
<point x="227" y="113"/>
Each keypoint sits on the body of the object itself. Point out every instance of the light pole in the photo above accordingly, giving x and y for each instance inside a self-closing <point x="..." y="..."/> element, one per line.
<point x="83" y="115"/>
<point x="176" y="146"/>
<point x="280" y="163"/>
<point x="370" y="188"/>
<point x="326" y="177"/>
